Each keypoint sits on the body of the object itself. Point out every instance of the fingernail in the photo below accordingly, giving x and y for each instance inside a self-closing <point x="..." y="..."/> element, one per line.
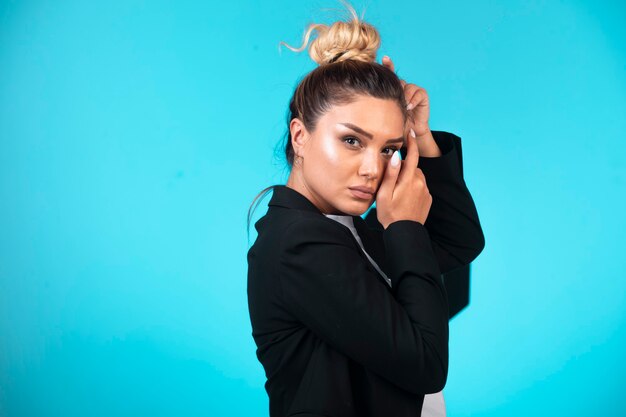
<point x="395" y="159"/>
<point x="413" y="132"/>
<point x="410" y="106"/>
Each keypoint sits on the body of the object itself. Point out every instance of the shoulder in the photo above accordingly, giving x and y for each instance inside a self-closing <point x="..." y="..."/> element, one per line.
<point x="310" y="229"/>
<point x="287" y="230"/>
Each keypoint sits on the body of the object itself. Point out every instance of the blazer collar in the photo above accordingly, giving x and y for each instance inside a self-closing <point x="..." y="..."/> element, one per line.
<point x="284" y="196"/>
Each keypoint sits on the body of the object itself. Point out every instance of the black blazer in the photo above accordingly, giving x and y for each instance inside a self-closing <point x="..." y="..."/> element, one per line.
<point x="333" y="338"/>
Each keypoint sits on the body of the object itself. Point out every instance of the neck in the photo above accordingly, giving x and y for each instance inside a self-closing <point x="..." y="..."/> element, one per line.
<point x="296" y="182"/>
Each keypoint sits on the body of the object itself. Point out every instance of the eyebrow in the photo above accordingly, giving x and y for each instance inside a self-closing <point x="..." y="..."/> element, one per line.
<point x="367" y="134"/>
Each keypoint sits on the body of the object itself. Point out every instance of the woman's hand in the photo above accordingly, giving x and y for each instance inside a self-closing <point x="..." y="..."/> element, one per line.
<point x="419" y="108"/>
<point x="403" y="194"/>
<point x="417" y="103"/>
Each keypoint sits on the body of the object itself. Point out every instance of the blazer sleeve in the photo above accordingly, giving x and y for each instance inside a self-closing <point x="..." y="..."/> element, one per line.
<point x="452" y="222"/>
<point x="400" y="334"/>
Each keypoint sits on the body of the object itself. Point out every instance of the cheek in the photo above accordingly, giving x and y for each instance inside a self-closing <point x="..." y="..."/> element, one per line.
<point x="330" y="152"/>
<point x="334" y="166"/>
<point x="334" y="162"/>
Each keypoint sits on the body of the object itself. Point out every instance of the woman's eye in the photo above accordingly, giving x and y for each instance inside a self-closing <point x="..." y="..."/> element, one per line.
<point x="353" y="142"/>
<point x="350" y="138"/>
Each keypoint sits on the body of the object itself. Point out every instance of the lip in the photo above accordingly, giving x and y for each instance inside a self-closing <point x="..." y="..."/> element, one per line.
<point x="365" y="193"/>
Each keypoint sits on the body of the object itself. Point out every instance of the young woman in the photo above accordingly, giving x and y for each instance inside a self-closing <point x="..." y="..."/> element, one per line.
<point x="349" y="320"/>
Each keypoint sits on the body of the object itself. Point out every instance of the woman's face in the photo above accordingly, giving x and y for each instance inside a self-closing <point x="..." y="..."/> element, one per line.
<point x="350" y="147"/>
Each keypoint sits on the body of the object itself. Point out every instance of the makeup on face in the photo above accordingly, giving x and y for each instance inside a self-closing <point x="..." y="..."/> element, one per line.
<point x="351" y="146"/>
<point x="369" y="135"/>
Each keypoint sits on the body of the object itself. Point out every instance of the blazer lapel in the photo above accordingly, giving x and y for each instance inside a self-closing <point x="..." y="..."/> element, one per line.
<point x="372" y="240"/>
<point x="287" y="197"/>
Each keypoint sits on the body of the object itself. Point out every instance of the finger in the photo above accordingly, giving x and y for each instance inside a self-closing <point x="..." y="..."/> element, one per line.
<point x="411" y="92"/>
<point x="387" y="185"/>
<point x="388" y="63"/>
<point x="412" y="156"/>
<point x="417" y="97"/>
<point x="417" y="149"/>
<point x="420" y="174"/>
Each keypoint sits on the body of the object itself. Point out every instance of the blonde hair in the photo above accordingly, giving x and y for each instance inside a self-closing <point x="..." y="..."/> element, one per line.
<point x="351" y="39"/>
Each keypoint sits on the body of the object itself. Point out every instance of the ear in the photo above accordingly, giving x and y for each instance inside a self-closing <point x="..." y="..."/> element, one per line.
<point x="299" y="136"/>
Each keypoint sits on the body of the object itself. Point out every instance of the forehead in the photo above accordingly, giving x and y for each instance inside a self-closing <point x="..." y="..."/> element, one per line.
<point x="381" y="117"/>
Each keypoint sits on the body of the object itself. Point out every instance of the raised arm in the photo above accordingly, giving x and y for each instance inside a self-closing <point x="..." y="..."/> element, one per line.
<point x="453" y="223"/>
<point x="329" y="287"/>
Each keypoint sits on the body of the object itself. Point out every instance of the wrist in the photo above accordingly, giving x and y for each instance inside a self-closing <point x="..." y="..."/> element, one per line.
<point x="422" y="131"/>
<point x="427" y="146"/>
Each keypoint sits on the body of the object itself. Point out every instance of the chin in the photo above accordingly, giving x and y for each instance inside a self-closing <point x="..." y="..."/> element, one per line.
<point x="357" y="208"/>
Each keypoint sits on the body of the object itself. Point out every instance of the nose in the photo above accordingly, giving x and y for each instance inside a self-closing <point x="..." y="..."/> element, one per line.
<point x="371" y="166"/>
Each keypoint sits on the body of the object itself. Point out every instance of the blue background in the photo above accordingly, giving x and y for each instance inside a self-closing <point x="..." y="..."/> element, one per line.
<point x="134" y="135"/>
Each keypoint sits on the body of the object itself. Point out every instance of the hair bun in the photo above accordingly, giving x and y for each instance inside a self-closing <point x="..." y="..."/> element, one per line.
<point x="343" y="40"/>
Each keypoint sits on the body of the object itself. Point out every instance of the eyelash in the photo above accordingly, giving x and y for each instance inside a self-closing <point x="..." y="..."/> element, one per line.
<point x="393" y="148"/>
